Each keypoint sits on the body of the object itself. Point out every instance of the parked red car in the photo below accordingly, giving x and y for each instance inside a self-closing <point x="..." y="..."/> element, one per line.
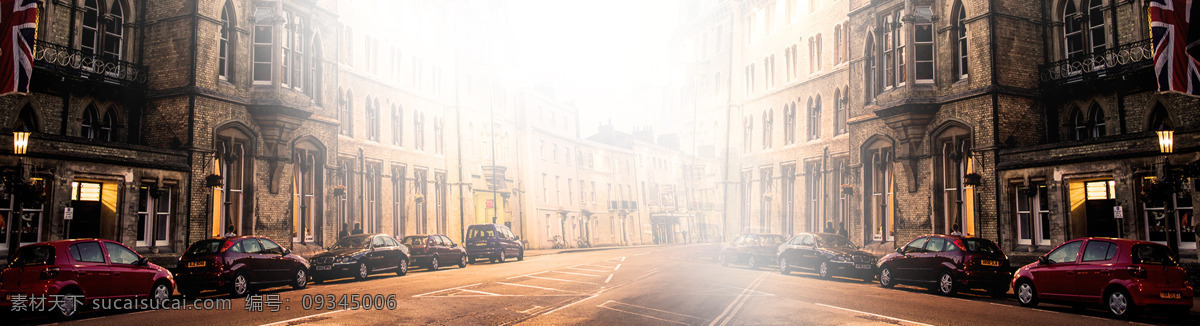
<point x="1121" y="274"/>
<point x="946" y="264"/>
<point x="91" y="268"/>
<point x="237" y="265"/>
<point x="432" y="250"/>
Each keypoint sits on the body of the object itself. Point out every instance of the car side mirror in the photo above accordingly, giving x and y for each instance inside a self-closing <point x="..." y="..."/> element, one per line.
<point x="1043" y="261"/>
<point x="143" y="261"/>
<point x="900" y="250"/>
<point x="285" y="252"/>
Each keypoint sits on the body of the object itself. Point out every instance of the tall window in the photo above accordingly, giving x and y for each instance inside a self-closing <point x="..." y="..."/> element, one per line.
<point x="306" y="185"/>
<point x="747" y="190"/>
<point x="371" y="184"/>
<point x="154" y="215"/>
<point x="30" y="222"/>
<point x="889" y="50"/>
<point x="90" y="38"/>
<point x="839" y="113"/>
<point x="747" y="138"/>
<point x="814" y="178"/>
<point x="787" y="198"/>
<point x="1079" y="125"/>
<point x="419" y="130"/>
<point x="292" y="65"/>
<point x="923" y="44"/>
<point x="263" y="42"/>
<point x="226" y="30"/>
<point x="102" y="31"/>
<point x="837" y="44"/>
<point x="1158" y="226"/>
<point x="768" y="123"/>
<point x="767" y="187"/>
<point x="397" y="125"/>
<point x="345" y="177"/>
<point x="399" y="208"/>
<point x="233" y="164"/>
<point x="877" y="191"/>
<point x="89" y="127"/>
<point x="1098" y="125"/>
<point x="814" y="118"/>
<point x="346" y="118"/>
<point x="114" y="30"/>
<point x="1033" y="215"/>
<point x="838" y="178"/>
<point x="315" y="86"/>
<point x="789" y="124"/>
<point x="960" y="30"/>
<point x="870" y="83"/>
<point x="953" y="163"/>
<point x="787" y="58"/>
<point x="812" y="55"/>
<point x="820" y="49"/>
<point x="899" y="40"/>
<point x="1158" y="118"/>
<point x="440" y="182"/>
<point x="420" y="179"/>
<point x="439" y="144"/>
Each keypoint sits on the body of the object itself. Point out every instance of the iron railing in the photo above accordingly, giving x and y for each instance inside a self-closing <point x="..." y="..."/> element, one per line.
<point x="74" y="62"/>
<point x="1112" y="62"/>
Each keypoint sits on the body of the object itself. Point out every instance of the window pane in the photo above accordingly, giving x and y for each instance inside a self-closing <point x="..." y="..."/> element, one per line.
<point x="1096" y="251"/>
<point x="1065" y="254"/>
<point x="118" y="254"/>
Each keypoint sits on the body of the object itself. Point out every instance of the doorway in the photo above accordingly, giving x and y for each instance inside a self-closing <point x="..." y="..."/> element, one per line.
<point x="85" y="203"/>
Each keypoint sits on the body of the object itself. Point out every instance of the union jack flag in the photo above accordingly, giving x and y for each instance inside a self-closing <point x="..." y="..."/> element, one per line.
<point x="1176" y="45"/>
<point x="19" y="20"/>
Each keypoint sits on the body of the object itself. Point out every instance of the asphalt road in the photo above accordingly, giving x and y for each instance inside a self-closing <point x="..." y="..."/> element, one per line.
<point x="632" y="286"/>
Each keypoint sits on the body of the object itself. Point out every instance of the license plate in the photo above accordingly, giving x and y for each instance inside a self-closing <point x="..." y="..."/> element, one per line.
<point x="324" y="268"/>
<point x="862" y="266"/>
<point x="1170" y="295"/>
<point x="990" y="262"/>
<point x="194" y="264"/>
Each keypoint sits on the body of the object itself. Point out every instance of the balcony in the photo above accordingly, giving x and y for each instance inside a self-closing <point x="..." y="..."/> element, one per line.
<point x="74" y="64"/>
<point x="1112" y="63"/>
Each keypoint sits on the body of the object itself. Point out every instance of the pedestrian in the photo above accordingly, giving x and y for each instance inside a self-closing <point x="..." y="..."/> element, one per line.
<point x="842" y="229"/>
<point x="357" y="229"/>
<point x="229" y="232"/>
<point x="829" y="227"/>
<point x="956" y="230"/>
<point x="345" y="231"/>
<point x="685" y="237"/>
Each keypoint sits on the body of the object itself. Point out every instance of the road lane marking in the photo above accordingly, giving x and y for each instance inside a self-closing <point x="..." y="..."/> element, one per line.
<point x="618" y="267"/>
<point x="637" y="314"/>
<point x="286" y="322"/>
<point x="538" y="287"/>
<point x="647" y="308"/>
<point x="453" y="288"/>
<point x="571" y="304"/>
<point x="598" y="266"/>
<point x="558" y="279"/>
<point x="572" y="273"/>
<point x="609" y="278"/>
<point x="871" y="314"/>
<point x="480" y="292"/>
<point x="737" y="303"/>
<point x="586" y="270"/>
<point x="526" y="311"/>
<point x="526" y="275"/>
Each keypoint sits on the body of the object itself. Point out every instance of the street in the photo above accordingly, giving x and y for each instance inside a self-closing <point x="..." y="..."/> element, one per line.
<point x="658" y="285"/>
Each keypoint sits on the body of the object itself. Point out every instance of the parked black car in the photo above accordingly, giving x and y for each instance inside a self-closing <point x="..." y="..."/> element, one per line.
<point x="946" y="264"/>
<point x="360" y="256"/>
<point x="827" y="255"/>
<point x="753" y="249"/>
<point x="494" y="242"/>
<point x="431" y="250"/>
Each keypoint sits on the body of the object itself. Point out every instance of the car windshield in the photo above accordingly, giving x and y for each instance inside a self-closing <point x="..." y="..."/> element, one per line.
<point x="353" y="242"/>
<point x="834" y="241"/>
<point x="34" y="255"/>
<point x="414" y="241"/>
<point x="1153" y="255"/>
<point x="770" y="240"/>
<point x="476" y="232"/>
<point x="205" y="247"/>
<point x="981" y="246"/>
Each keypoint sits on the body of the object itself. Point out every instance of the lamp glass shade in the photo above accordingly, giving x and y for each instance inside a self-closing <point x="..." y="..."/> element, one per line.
<point x="1166" y="141"/>
<point x="20" y="142"/>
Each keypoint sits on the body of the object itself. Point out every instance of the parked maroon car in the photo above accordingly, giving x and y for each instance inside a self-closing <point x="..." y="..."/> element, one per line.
<point x="431" y="250"/>
<point x="1121" y="274"/>
<point x="754" y="250"/>
<point x="947" y="264"/>
<point x="91" y="268"/>
<point x="237" y="265"/>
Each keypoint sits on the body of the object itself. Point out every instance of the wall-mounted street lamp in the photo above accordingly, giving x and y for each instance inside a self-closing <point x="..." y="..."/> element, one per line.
<point x="1166" y="140"/>
<point x="20" y="142"/>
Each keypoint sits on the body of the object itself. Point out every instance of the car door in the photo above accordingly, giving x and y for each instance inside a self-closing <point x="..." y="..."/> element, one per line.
<point x="905" y="265"/>
<point x="789" y="250"/>
<point x="1094" y="270"/>
<point x="453" y="252"/>
<point x="927" y="265"/>
<point x="1055" y="279"/>
<point x="512" y="247"/>
<point x="129" y="277"/>
<point x="253" y="264"/>
<point x="393" y="253"/>
<point x="273" y="261"/>
<point x="376" y="259"/>
<point x="809" y="256"/>
<point x="91" y="269"/>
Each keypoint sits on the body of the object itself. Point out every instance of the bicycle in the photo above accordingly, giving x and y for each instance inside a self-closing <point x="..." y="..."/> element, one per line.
<point x="557" y="243"/>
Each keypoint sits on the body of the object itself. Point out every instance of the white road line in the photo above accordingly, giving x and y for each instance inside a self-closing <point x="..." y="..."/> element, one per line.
<point x="648" y="308"/>
<point x="871" y="314"/>
<point x="622" y="258"/>
<point x="574" y="273"/>
<point x="454" y="288"/>
<point x="537" y="287"/>
<point x="585" y="269"/>
<point x="526" y="311"/>
<point x="618" y="267"/>
<point x="598" y="266"/>
<point x="570" y="304"/>
<point x="526" y="275"/>
<point x="481" y="292"/>
<point x="736" y="304"/>
<point x="285" y="322"/>
<point x="637" y="314"/>
<point x="558" y="279"/>
<point x="609" y="278"/>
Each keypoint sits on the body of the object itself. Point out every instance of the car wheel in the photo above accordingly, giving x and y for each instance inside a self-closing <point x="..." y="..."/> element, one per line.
<point x="753" y="264"/>
<point x="1026" y="294"/>
<point x="433" y="263"/>
<point x="1119" y="304"/>
<point x="362" y="272"/>
<point x="724" y="260"/>
<point x="521" y="255"/>
<point x="161" y="291"/>
<point x="500" y="258"/>
<point x="885" y="277"/>
<point x="240" y="286"/>
<point x="69" y="307"/>
<point x="300" y="280"/>
<point x="946" y="284"/>
<point x="402" y="268"/>
<point x="783" y="267"/>
<point x="462" y="262"/>
<point x="823" y="270"/>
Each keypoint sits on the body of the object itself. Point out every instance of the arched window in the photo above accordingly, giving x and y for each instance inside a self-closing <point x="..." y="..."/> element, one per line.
<point x="223" y="58"/>
<point x="1097" y="121"/>
<point x="789" y="124"/>
<point x="114" y="30"/>
<point x="26" y="120"/>
<point x="347" y="117"/>
<point x="397" y="125"/>
<point x="870" y="86"/>
<point x="307" y="187"/>
<point x="960" y="50"/>
<point x="1159" y="119"/>
<point x="766" y="136"/>
<point x="263" y="42"/>
<point x="1079" y="125"/>
<point x="1073" y="30"/>
<point x="748" y="130"/>
<point x="106" y="125"/>
<point x="89" y="126"/>
<point x="1096" y="36"/>
<point x="839" y="114"/>
<point x="814" y="118"/>
<point x="316" y="85"/>
<point x="102" y="31"/>
<point x="89" y="39"/>
<point x="953" y="164"/>
<point x="372" y="119"/>
<point x="878" y="189"/>
<point x="419" y="130"/>
<point x="234" y="163"/>
<point x="845" y="100"/>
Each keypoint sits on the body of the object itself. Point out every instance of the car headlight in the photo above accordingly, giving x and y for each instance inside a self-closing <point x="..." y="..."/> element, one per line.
<point x="842" y="258"/>
<point x="344" y="259"/>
